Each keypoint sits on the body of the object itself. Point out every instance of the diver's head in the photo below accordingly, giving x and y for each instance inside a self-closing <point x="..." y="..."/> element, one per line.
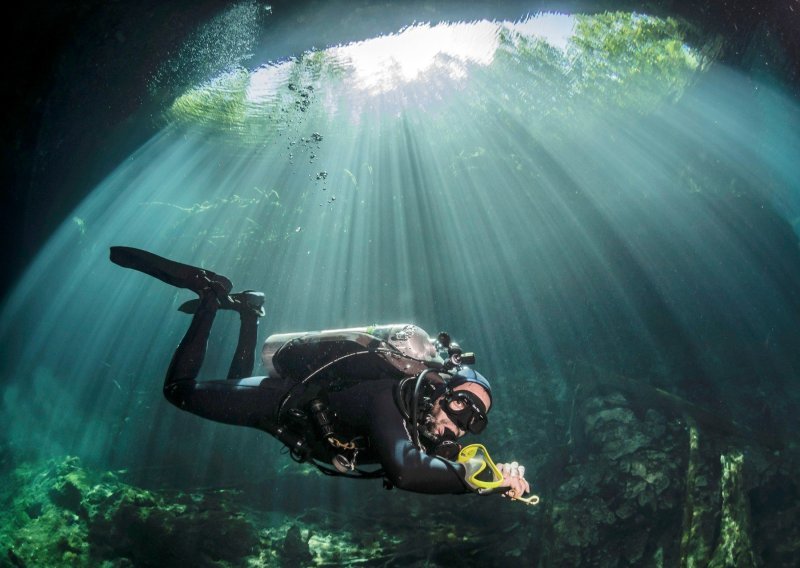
<point x="469" y="379"/>
<point x="462" y="408"/>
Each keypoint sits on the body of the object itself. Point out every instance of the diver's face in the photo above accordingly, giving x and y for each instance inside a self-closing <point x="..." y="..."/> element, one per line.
<point x="440" y="422"/>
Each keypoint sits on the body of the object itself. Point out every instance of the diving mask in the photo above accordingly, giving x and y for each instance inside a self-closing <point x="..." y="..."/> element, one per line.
<point x="466" y="410"/>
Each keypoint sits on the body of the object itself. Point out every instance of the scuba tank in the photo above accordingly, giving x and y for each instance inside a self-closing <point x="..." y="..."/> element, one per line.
<point x="359" y="352"/>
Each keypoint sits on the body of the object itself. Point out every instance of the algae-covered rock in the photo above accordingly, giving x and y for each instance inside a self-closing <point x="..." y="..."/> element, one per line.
<point x="616" y="503"/>
<point x="647" y="485"/>
<point x="701" y="501"/>
<point x="142" y="527"/>
<point x="63" y="515"/>
<point x="43" y="520"/>
<point x="735" y="547"/>
<point x="295" y="550"/>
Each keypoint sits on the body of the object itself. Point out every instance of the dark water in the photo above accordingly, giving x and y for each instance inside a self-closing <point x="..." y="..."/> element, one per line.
<point x="609" y="221"/>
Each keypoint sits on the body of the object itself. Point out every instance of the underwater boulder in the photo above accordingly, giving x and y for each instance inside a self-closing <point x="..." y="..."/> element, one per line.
<point x="295" y="551"/>
<point x="622" y="491"/>
<point x="58" y="513"/>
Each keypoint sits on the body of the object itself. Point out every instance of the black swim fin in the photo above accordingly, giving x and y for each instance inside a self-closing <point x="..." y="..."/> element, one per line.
<point x="169" y="271"/>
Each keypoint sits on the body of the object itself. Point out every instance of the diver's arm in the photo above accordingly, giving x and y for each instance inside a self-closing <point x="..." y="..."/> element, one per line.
<point x="410" y="469"/>
<point x="406" y="466"/>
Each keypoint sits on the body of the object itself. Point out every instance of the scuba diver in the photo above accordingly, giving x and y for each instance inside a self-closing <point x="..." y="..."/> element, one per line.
<point x="339" y="399"/>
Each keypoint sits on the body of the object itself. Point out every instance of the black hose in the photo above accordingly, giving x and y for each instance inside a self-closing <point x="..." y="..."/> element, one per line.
<point x="415" y="406"/>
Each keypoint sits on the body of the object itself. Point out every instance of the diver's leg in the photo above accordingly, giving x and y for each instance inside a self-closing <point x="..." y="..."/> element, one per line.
<point x="250" y="401"/>
<point x="249" y="304"/>
<point x="188" y="357"/>
<point x="245" y="402"/>
<point x="244" y="357"/>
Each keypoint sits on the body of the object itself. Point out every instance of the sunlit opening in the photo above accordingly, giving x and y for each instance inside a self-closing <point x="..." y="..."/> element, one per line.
<point x="634" y="60"/>
<point x="382" y="63"/>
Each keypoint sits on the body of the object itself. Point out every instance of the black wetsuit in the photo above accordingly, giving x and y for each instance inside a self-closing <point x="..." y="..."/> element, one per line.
<point x="367" y="408"/>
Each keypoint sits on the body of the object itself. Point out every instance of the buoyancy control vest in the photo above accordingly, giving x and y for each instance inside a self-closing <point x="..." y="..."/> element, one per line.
<point x="318" y="361"/>
<point x="426" y="372"/>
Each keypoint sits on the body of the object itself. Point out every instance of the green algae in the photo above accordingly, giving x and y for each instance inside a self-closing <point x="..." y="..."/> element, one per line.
<point x="735" y="547"/>
<point x="61" y="514"/>
<point x="698" y="534"/>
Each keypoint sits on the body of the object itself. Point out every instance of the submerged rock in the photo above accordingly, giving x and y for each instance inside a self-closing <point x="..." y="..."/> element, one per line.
<point x="735" y="547"/>
<point x="649" y="487"/>
<point x="60" y="514"/>
<point x="295" y="551"/>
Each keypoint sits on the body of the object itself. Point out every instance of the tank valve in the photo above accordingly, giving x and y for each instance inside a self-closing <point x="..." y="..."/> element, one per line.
<point x="455" y="356"/>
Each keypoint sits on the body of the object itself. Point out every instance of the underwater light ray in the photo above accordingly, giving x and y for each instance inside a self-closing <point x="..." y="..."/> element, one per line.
<point x="419" y="180"/>
<point x="68" y="248"/>
<point x="696" y="238"/>
<point x="360" y="225"/>
<point x="590" y="229"/>
<point x="462" y="218"/>
<point x="109" y="218"/>
<point x="352" y="250"/>
<point x="778" y="148"/>
<point x="496" y="260"/>
<point x="601" y="194"/>
<point x="659" y="306"/>
<point x="718" y="236"/>
<point x="475" y="235"/>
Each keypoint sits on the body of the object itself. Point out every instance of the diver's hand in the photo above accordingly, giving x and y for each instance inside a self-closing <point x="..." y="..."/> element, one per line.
<point x="514" y="479"/>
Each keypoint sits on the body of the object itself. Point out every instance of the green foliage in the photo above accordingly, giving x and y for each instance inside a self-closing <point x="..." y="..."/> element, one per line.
<point x="613" y="61"/>
<point x="631" y="59"/>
